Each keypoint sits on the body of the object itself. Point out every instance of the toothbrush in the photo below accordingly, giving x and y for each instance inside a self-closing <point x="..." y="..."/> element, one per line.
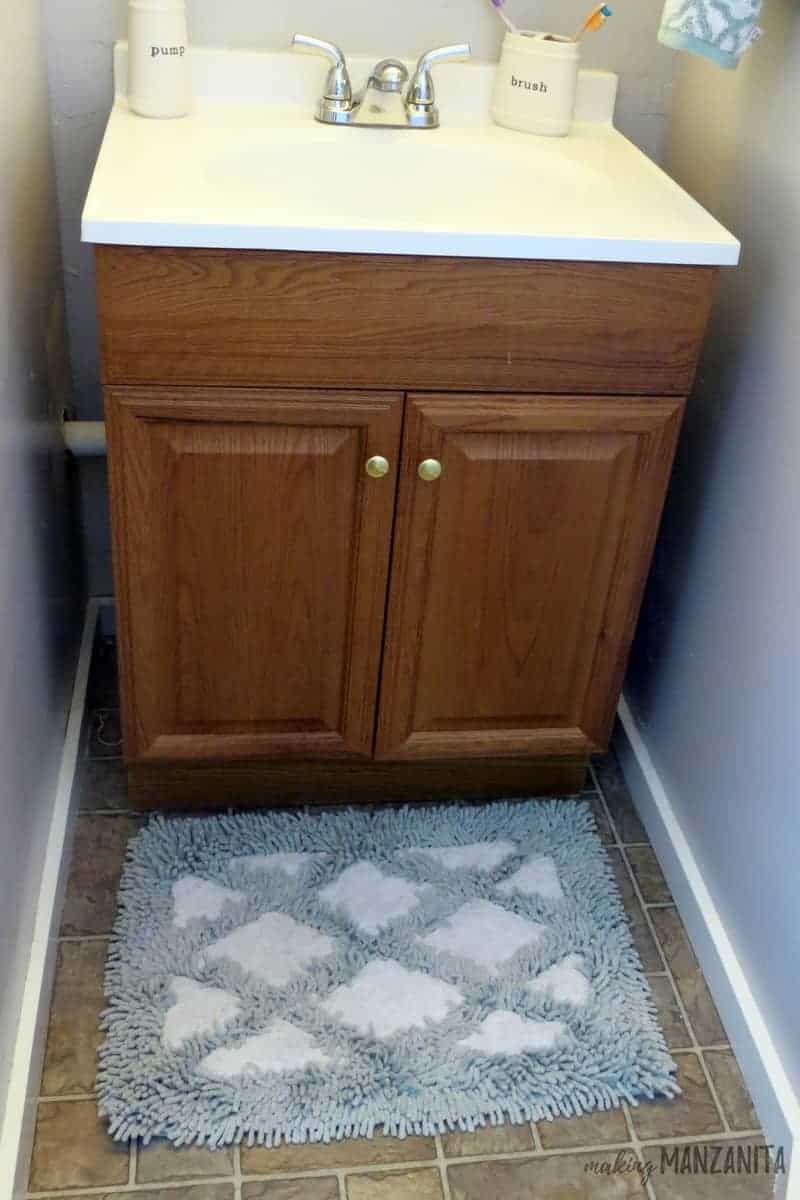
<point x="498" y="7"/>
<point x="595" y="20"/>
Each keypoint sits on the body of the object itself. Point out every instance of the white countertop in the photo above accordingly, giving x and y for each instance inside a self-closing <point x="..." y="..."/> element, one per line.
<point x="250" y="168"/>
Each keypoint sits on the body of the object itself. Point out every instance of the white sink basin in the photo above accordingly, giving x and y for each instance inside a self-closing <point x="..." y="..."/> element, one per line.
<point x="250" y="168"/>
<point x="375" y="176"/>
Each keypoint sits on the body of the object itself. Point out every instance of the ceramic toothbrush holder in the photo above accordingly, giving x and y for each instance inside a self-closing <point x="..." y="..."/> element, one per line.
<point x="535" y="84"/>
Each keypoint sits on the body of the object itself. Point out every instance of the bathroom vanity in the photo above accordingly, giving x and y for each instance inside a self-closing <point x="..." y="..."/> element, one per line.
<point x="384" y="492"/>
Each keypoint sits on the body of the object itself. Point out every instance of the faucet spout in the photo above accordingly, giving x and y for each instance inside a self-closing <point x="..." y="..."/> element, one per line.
<point x="389" y="75"/>
<point x="380" y="102"/>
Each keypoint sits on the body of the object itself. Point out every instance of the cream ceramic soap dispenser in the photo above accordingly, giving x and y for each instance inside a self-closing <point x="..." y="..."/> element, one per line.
<point x="159" y="74"/>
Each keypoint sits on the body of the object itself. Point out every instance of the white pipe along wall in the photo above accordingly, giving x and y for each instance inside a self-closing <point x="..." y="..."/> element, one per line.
<point x="714" y="682"/>
<point x="85" y="439"/>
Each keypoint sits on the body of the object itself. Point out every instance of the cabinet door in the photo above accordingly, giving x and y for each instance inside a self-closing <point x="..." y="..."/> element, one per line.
<point x="251" y="555"/>
<point x="517" y="575"/>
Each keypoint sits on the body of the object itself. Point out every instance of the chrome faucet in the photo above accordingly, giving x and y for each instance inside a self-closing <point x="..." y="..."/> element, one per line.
<point x="382" y="101"/>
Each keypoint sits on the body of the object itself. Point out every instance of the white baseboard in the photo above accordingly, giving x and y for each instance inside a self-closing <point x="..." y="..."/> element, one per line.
<point x="16" y="1135"/>
<point x="774" y="1098"/>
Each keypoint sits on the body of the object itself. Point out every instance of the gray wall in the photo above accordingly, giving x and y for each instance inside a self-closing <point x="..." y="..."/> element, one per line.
<point x="39" y="606"/>
<point x="81" y="34"/>
<point x="715" y="680"/>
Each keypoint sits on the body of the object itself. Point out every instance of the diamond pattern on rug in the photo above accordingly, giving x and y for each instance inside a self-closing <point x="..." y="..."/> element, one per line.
<point x="197" y="1010"/>
<point x="197" y="899"/>
<point x="564" y="982"/>
<point x="508" y="1033"/>
<point x="371" y="899"/>
<point x="281" y="1047"/>
<point x="395" y="969"/>
<point x="484" y="933"/>
<point x="273" y="948"/>
<point x="290" y="864"/>
<point x="538" y="877"/>
<point x="385" y="997"/>
<point x="480" y="856"/>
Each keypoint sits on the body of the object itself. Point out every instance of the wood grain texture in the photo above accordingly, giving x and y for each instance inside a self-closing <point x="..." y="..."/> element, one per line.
<point x="252" y="785"/>
<point x="279" y="318"/>
<point x="251" y="553"/>
<point x="517" y="576"/>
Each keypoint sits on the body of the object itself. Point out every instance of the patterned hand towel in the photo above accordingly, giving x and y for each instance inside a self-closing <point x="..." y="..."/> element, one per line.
<point x="720" y="30"/>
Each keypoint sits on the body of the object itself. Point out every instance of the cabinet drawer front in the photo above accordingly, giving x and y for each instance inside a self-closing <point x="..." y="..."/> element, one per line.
<point x="251" y="551"/>
<point x="277" y="318"/>
<point x="517" y="574"/>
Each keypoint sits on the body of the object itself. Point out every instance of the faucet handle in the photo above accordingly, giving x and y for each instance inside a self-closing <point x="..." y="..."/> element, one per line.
<point x="338" y="90"/>
<point x="421" y="94"/>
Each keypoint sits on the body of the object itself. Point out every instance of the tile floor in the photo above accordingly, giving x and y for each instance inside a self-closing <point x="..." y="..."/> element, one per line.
<point x="559" y="1160"/>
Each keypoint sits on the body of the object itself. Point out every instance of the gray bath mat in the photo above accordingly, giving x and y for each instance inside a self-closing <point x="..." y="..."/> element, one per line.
<point x="281" y="976"/>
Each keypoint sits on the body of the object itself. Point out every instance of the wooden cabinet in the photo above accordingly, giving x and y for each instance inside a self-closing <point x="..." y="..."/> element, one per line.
<point x="251" y="552"/>
<point x="517" y="574"/>
<point x="290" y="625"/>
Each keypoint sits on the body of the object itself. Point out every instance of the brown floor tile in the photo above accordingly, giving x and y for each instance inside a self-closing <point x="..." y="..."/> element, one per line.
<point x="642" y="937"/>
<point x="399" y="1185"/>
<point x="618" y="798"/>
<point x="731" y="1089"/>
<point x="72" y="1149"/>
<point x="649" y="875"/>
<point x="491" y="1139"/>
<point x="559" y="1177"/>
<point x="161" y="1162"/>
<point x="74" y="1032"/>
<point x="104" y="734"/>
<point x="596" y="1129"/>
<point x="669" y="1013"/>
<point x="290" y="1189"/>
<point x="354" y="1152"/>
<point x="691" y="1114"/>
<point x="692" y="986"/>
<point x="687" y="1184"/>
<point x="103" y="785"/>
<point x="604" y="830"/>
<point x="97" y="857"/>
<point x="203" y="1191"/>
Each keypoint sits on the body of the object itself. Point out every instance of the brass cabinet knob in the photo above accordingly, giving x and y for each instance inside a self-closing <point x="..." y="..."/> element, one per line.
<point x="377" y="466"/>
<point x="429" y="469"/>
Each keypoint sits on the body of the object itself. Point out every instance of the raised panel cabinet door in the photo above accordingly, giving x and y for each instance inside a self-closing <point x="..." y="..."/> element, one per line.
<point x="518" y="570"/>
<point x="251" y="551"/>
